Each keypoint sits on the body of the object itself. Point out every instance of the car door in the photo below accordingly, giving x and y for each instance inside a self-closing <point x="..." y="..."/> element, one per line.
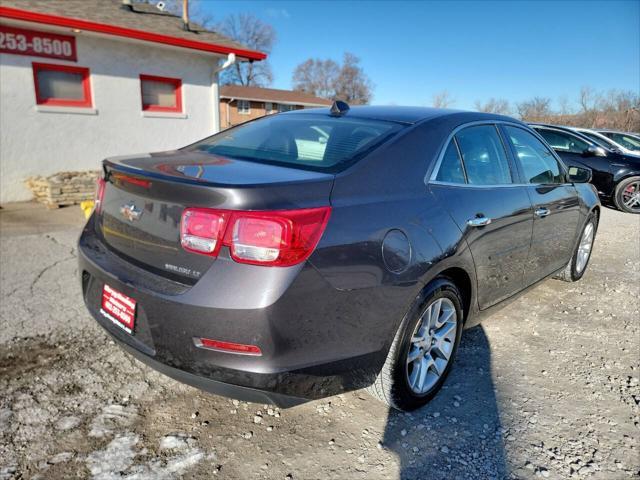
<point x="555" y="201"/>
<point x="474" y="181"/>
<point x="573" y="151"/>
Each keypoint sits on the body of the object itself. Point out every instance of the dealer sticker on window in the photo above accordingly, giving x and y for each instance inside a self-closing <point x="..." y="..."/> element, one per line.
<point x="118" y="308"/>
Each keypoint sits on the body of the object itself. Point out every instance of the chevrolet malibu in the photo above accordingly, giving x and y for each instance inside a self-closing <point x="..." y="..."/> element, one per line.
<point x="315" y="252"/>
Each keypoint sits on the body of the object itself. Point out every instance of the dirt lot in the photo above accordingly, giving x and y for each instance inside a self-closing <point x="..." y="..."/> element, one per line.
<point x="546" y="388"/>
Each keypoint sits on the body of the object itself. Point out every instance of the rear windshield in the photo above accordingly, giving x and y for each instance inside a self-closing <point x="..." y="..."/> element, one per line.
<point x="317" y="142"/>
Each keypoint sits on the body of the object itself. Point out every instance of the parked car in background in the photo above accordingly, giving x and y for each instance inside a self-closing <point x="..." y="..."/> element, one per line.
<point x="247" y="267"/>
<point x="605" y="141"/>
<point x="628" y="140"/>
<point x="616" y="176"/>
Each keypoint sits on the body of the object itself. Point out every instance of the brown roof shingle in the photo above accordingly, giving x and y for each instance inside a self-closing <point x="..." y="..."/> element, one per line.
<point x="271" y="95"/>
<point x="142" y="16"/>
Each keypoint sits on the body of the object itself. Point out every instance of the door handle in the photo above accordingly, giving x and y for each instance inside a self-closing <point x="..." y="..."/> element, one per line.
<point x="479" y="221"/>
<point x="542" y="212"/>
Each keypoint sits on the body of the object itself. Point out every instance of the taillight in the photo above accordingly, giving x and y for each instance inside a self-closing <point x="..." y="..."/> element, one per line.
<point x="100" y="187"/>
<point x="275" y="238"/>
<point x="201" y="230"/>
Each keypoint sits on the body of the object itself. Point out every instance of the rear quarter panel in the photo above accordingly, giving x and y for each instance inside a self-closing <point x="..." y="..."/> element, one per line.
<point x="382" y="193"/>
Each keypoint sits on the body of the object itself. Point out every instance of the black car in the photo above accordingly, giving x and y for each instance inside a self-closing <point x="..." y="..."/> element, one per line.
<point x="315" y="252"/>
<point x="616" y="175"/>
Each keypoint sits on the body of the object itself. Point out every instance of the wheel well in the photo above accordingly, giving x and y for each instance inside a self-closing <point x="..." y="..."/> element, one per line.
<point x="596" y="210"/>
<point x="461" y="278"/>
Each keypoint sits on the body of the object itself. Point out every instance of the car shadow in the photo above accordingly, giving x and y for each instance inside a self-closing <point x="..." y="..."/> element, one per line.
<point x="458" y="435"/>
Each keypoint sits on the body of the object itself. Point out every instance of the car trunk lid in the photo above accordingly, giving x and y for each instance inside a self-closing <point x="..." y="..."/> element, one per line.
<point x="145" y="196"/>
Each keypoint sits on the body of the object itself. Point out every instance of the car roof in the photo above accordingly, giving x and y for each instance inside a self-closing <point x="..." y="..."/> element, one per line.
<point x="401" y="114"/>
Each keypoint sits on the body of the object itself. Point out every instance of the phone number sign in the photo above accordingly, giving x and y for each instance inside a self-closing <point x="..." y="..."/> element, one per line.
<point x="19" y="41"/>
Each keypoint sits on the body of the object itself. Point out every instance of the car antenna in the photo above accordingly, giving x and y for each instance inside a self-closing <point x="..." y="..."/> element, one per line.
<point x="339" y="108"/>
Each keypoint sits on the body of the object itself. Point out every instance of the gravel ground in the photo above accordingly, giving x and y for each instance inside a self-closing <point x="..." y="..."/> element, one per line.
<point x="546" y="388"/>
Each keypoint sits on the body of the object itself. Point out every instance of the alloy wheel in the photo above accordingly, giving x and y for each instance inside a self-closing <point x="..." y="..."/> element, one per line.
<point x="432" y="344"/>
<point x="631" y="196"/>
<point x="584" y="249"/>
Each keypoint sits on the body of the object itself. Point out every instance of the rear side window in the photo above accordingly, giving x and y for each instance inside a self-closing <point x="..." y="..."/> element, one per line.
<point x="483" y="155"/>
<point x="318" y="142"/>
<point x="451" y="170"/>
<point x="538" y="163"/>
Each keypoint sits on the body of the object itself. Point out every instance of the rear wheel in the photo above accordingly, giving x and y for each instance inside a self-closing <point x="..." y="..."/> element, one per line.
<point x="423" y="349"/>
<point x="627" y="196"/>
<point x="578" y="265"/>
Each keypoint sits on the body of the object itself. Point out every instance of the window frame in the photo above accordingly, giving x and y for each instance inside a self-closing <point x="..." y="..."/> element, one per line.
<point x="87" y="100"/>
<point x="514" y="169"/>
<point x="514" y="154"/>
<point x="243" y="111"/>
<point x="177" y="84"/>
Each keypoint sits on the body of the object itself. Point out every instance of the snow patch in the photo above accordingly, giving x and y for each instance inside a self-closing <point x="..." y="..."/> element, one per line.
<point x="115" y="459"/>
<point x="112" y="418"/>
<point x="67" y="423"/>
<point x="5" y="417"/>
<point x="7" y="473"/>
<point x="60" y="458"/>
<point x="177" y="441"/>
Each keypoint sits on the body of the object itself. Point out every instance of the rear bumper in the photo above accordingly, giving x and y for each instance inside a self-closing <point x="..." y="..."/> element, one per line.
<point x="213" y="386"/>
<point x="313" y="344"/>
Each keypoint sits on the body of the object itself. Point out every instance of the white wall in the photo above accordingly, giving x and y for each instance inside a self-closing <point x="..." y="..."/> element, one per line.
<point x="34" y="142"/>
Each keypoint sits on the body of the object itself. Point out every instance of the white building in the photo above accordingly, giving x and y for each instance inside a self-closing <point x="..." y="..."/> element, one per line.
<point x="81" y="80"/>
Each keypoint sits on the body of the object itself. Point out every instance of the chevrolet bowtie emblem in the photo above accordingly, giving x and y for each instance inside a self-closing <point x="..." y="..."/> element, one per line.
<point x="130" y="211"/>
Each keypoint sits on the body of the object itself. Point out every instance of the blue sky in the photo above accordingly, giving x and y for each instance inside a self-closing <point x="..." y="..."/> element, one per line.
<point x="475" y="50"/>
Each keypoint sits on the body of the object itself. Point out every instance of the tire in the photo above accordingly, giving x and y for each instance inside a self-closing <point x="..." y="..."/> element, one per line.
<point x="629" y="190"/>
<point x="392" y="386"/>
<point x="575" y="269"/>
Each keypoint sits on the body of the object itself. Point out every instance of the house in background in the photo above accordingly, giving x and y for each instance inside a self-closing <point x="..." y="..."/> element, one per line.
<point x="239" y="104"/>
<point x="81" y="80"/>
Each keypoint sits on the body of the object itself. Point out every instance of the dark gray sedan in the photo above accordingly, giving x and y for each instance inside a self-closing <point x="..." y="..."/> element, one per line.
<point x="320" y="251"/>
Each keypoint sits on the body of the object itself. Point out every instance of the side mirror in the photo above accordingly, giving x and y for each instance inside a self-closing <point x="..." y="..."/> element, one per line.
<point x="580" y="175"/>
<point x="594" y="151"/>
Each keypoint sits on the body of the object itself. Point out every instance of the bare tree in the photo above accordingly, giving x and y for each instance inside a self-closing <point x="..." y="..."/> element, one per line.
<point x="317" y="77"/>
<point x="253" y="33"/>
<point x="352" y="84"/>
<point x="617" y="109"/>
<point x="587" y="99"/>
<point x="537" y="109"/>
<point x="494" y="105"/>
<point x="565" y="105"/>
<point x="327" y="79"/>
<point x="442" y="99"/>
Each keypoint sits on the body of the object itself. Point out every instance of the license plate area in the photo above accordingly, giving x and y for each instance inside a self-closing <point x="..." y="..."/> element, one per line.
<point x="118" y="308"/>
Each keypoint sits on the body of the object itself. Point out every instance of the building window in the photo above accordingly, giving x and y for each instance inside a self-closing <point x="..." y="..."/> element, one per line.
<point x="244" y="107"/>
<point x="268" y="106"/>
<point x="285" y="108"/>
<point x="61" y="85"/>
<point x="161" y="94"/>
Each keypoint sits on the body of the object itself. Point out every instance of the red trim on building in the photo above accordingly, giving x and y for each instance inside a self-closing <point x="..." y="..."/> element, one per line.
<point x="63" y="102"/>
<point x="177" y="89"/>
<point x="44" y="18"/>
